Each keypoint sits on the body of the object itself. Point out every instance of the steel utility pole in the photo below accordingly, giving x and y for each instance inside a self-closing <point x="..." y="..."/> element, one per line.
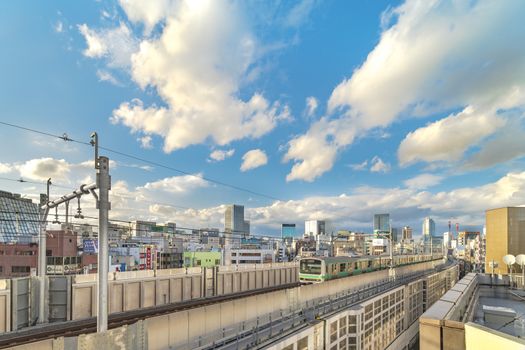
<point x="103" y="206"/>
<point x="44" y="210"/>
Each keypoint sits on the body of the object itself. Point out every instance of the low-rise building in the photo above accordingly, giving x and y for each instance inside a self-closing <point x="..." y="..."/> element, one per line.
<point x="18" y="260"/>
<point x="251" y="256"/>
<point x="203" y="259"/>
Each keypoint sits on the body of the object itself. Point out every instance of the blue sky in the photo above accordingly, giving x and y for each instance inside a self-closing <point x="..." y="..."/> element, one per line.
<point x="340" y="109"/>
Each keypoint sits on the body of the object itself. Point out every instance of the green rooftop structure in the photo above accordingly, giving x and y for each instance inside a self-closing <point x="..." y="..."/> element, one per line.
<point x="203" y="259"/>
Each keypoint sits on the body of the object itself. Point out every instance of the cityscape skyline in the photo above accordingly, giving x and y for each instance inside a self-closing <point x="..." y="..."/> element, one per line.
<point x="294" y="105"/>
<point x="274" y="175"/>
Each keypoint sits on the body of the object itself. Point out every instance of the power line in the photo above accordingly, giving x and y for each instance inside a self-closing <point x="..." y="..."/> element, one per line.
<point x="21" y="180"/>
<point x="65" y="137"/>
<point x="239" y="234"/>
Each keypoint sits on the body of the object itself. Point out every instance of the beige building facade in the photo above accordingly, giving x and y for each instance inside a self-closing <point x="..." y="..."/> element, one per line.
<point x="505" y="235"/>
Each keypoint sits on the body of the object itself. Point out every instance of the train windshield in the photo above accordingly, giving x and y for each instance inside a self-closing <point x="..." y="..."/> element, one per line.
<point x="312" y="266"/>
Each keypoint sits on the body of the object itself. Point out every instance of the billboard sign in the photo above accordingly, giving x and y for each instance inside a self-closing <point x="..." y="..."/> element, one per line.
<point x="90" y="246"/>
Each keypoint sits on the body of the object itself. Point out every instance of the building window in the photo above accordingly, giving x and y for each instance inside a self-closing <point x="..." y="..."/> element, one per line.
<point x="20" y="269"/>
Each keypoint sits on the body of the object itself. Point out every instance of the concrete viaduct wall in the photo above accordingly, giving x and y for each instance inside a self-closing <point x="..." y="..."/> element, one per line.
<point x="139" y="289"/>
<point x="180" y="329"/>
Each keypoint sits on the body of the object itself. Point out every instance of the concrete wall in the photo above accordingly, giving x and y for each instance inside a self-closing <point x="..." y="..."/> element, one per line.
<point x="138" y="289"/>
<point x="480" y="337"/>
<point x="5" y="306"/>
<point x="182" y="328"/>
<point x="441" y="326"/>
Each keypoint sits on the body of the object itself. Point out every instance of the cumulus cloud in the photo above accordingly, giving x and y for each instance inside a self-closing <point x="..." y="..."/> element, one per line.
<point x="477" y="65"/>
<point x="115" y="44"/>
<point x="219" y="155"/>
<point x="314" y="153"/>
<point x="5" y="168"/>
<point x="149" y="13"/>
<point x="201" y="57"/>
<point x="178" y="184"/>
<point x="379" y="166"/>
<point x="311" y="106"/>
<point x="507" y="145"/>
<point x="253" y="159"/>
<point x="423" y="181"/>
<point x="44" y="168"/>
<point x="447" y="139"/>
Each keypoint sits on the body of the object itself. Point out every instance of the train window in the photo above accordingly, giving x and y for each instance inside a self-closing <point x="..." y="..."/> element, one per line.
<point x="310" y="266"/>
<point x="342" y="267"/>
<point x="355" y="265"/>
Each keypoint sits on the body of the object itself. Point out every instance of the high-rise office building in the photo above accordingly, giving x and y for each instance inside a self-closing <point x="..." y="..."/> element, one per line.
<point x="407" y="233"/>
<point x="287" y="230"/>
<point x="19" y="219"/>
<point x="314" y="227"/>
<point x="429" y="227"/>
<point x="395" y="234"/>
<point x="505" y="235"/>
<point x="234" y="219"/>
<point x="246" y="229"/>
<point x="381" y="224"/>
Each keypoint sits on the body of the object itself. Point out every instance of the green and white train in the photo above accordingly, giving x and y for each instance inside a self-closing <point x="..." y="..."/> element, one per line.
<point x="320" y="269"/>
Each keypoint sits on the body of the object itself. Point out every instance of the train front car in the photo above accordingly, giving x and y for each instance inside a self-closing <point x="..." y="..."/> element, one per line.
<point x="311" y="270"/>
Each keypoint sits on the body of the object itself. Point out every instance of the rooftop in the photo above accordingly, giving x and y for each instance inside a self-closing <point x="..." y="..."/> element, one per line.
<point x="480" y="305"/>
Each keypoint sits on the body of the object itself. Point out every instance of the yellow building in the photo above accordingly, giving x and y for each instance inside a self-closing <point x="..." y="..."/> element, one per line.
<point x="505" y="235"/>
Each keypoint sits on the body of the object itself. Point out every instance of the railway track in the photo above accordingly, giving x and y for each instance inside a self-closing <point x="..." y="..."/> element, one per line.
<point x="89" y="325"/>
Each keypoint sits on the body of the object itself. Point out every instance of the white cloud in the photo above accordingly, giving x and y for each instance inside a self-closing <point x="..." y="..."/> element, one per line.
<point x="423" y="181"/>
<point x="447" y="139"/>
<point x="44" y="168"/>
<point x="379" y="166"/>
<point x="314" y="153"/>
<point x="219" y="155"/>
<point x="178" y="184"/>
<point x="145" y="142"/>
<point x="360" y="166"/>
<point x="115" y="44"/>
<point x="507" y="145"/>
<point x="437" y="56"/>
<point x="203" y="55"/>
<point x="104" y="75"/>
<point x="5" y="168"/>
<point x="147" y="12"/>
<point x="59" y="27"/>
<point x="253" y="159"/>
<point x="299" y="13"/>
<point x="311" y="105"/>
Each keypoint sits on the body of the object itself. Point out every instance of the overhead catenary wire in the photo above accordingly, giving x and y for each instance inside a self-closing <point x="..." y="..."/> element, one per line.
<point x="22" y="180"/>
<point x="242" y="234"/>
<point x="66" y="138"/>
